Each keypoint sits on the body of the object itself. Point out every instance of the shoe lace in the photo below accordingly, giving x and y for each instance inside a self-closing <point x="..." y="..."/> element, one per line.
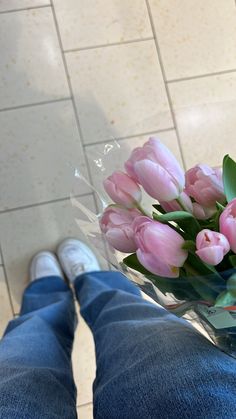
<point x="77" y="267"/>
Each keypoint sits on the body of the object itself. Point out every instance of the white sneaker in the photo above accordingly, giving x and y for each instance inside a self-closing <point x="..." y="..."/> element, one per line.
<point x="76" y="258"/>
<point x="44" y="264"/>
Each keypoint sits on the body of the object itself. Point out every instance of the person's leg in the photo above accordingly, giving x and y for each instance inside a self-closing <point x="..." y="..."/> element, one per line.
<point x="151" y="364"/>
<point x="36" y="379"/>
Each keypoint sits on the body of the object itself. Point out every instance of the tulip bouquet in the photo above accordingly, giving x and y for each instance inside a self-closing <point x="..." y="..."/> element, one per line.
<point x="186" y="246"/>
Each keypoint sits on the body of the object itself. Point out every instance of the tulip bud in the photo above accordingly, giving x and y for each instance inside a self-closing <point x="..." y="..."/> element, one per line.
<point x="205" y="185"/>
<point x="202" y="213"/>
<point x="211" y="246"/>
<point x="159" y="247"/>
<point x="122" y="189"/>
<point x="228" y="224"/>
<point x="116" y="224"/>
<point x="175" y="206"/>
<point x="157" y="170"/>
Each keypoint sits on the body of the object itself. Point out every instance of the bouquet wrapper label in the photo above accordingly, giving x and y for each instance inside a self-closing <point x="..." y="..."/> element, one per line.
<point x="218" y="317"/>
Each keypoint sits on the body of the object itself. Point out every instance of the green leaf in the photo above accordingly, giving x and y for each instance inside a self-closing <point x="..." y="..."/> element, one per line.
<point x="232" y="260"/>
<point x="174" y="227"/>
<point x="189" y="245"/>
<point x="229" y="177"/>
<point x="216" y="226"/>
<point x="224" y="299"/>
<point x="159" y="208"/>
<point x="180" y="287"/>
<point x="231" y="285"/>
<point x="198" y="266"/>
<point x="190" y="227"/>
<point x="132" y="262"/>
<point x="173" y="216"/>
<point x="220" y="207"/>
<point x="207" y="274"/>
<point x="186" y="221"/>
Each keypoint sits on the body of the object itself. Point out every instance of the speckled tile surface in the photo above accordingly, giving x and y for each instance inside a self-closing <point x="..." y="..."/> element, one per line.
<point x="39" y="164"/>
<point x="195" y="37"/>
<point x="31" y="69"/>
<point x="205" y="111"/>
<point x="83" y="25"/>
<point x="123" y="94"/>
<point x="9" y="5"/>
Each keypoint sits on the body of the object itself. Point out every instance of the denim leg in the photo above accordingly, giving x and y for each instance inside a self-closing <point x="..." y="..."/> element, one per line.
<point x="36" y="380"/>
<point x="151" y="364"/>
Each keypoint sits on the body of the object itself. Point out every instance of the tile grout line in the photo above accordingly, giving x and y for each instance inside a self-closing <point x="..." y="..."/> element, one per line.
<point x="201" y="76"/>
<point x="112" y="44"/>
<point x="129" y="137"/>
<point x="38" y="204"/>
<point x="29" y="105"/>
<point x="73" y="102"/>
<point x="68" y="79"/>
<point x="42" y="6"/>
<point x="7" y="282"/>
<point x="165" y="82"/>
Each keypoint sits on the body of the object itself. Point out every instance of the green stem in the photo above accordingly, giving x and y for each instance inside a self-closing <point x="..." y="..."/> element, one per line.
<point x="181" y="204"/>
<point x="186" y="210"/>
<point x="143" y="211"/>
<point x="191" y="270"/>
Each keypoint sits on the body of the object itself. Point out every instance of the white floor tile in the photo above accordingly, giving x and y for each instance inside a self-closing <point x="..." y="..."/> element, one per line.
<point x="5" y="307"/>
<point x="41" y="151"/>
<point x="6" y="5"/>
<point x="31" y="65"/>
<point x="84" y="365"/>
<point x="85" y="23"/>
<point x="105" y="158"/>
<point x="119" y="91"/>
<point x="195" y="37"/>
<point x="28" y="231"/>
<point x="85" y="412"/>
<point x="205" y="109"/>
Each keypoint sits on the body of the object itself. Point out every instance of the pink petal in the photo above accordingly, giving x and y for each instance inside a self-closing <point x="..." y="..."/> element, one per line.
<point x="156" y="266"/>
<point x="212" y="255"/>
<point x="156" y="181"/>
<point x="119" y="241"/>
<point x="167" y="160"/>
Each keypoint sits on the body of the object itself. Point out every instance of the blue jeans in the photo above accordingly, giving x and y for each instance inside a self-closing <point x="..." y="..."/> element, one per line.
<point x="150" y="364"/>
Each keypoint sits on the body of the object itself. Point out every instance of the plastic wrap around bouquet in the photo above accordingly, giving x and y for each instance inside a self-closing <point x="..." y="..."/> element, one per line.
<point x="172" y="233"/>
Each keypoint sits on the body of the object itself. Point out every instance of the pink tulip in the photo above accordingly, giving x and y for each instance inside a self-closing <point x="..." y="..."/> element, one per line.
<point x="228" y="224"/>
<point x="157" y="170"/>
<point x="175" y="206"/>
<point x="211" y="246"/>
<point x="122" y="189"/>
<point x="202" y="213"/>
<point x="116" y="224"/>
<point x="205" y="185"/>
<point x="159" y="247"/>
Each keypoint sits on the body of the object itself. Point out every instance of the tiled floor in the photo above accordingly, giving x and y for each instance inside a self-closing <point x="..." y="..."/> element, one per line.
<point x="77" y="74"/>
